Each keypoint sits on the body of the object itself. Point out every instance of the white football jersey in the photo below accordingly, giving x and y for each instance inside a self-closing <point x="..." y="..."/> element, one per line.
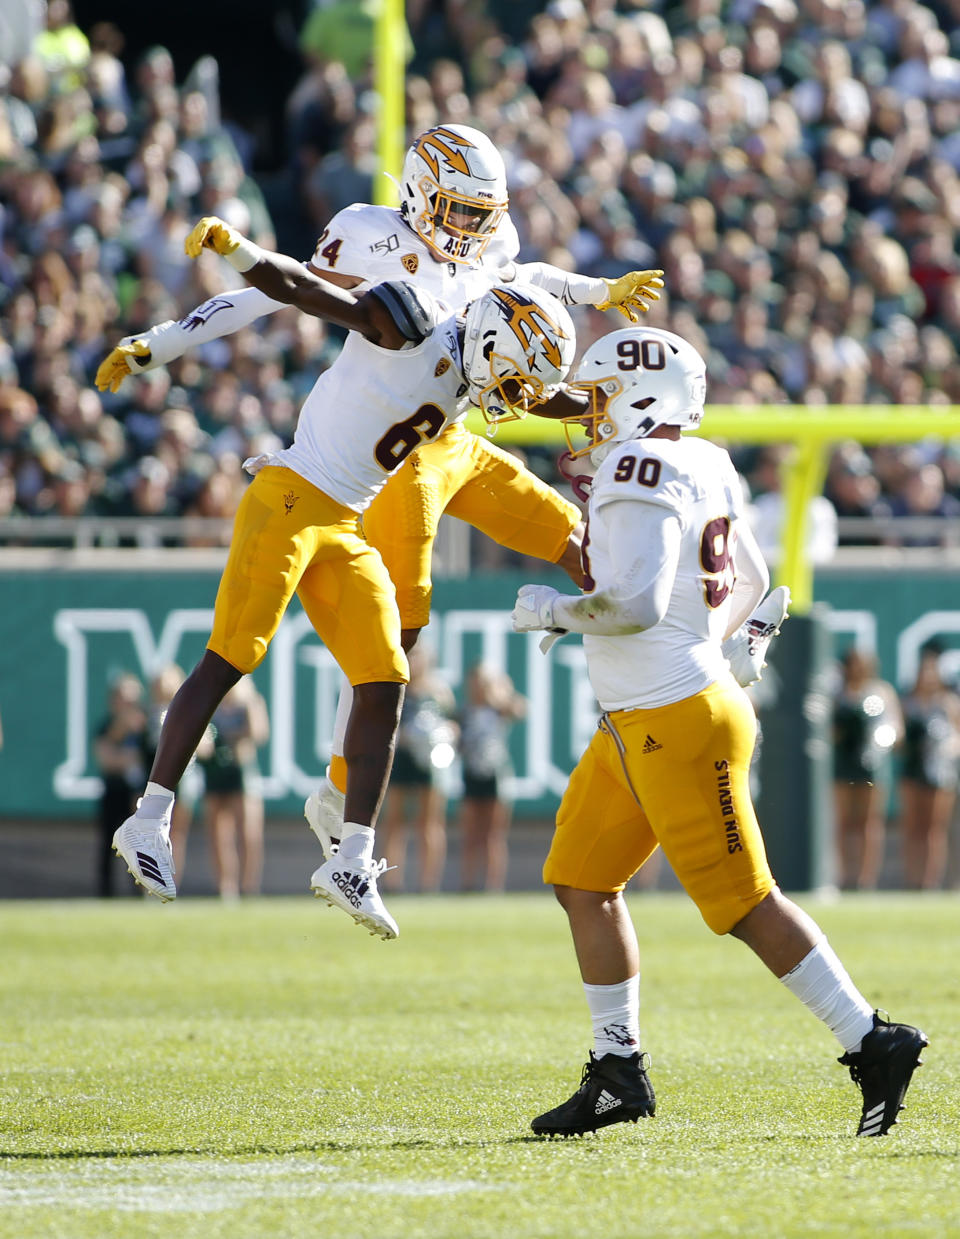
<point x="374" y="243"/>
<point x="696" y="481"/>
<point x="371" y="408"/>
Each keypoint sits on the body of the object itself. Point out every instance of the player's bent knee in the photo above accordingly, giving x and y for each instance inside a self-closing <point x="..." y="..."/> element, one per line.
<point x="723" y="917"/>
<point x="243" y="652"/>
<point x="571" y="898"/>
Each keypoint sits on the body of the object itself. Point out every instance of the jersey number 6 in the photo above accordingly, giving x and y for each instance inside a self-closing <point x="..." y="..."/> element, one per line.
<point x="401" y="439"/>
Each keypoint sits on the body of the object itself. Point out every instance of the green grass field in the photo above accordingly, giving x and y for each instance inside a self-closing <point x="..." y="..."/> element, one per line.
<point x="266" y="1070"/>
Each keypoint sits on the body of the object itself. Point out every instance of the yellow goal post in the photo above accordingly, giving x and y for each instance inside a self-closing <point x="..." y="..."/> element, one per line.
<point x="389" y="70"/>
<point x="813" y="431"/>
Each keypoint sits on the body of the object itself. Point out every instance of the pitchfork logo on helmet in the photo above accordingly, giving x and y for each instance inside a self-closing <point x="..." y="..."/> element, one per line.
<point x="519" y="343"/>
<point x="453" y="191"/>
<point x="637" y="379"/>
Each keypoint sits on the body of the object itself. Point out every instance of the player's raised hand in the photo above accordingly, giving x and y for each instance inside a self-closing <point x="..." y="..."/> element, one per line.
<point x="632" y="292"/>
<point x="212" y="233"/>
<point x="128" y="357"/>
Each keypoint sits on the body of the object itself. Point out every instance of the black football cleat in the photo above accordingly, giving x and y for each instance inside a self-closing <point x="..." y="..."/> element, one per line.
<point x="613" y="1089"/>
<point x="881" y="1069"/>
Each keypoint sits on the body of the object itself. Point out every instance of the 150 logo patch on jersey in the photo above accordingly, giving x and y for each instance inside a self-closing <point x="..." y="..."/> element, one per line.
<point x="386" y="245"/>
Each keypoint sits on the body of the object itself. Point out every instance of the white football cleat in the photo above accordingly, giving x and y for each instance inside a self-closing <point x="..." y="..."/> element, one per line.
<point x="144" y="843"/>
<point x="352" y="886"/>
<point x="746" y="649"/>
<point x="323" y="810"/>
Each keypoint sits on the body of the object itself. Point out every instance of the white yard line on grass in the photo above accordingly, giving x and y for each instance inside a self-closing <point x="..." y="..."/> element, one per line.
<point x="194" y="1186"/>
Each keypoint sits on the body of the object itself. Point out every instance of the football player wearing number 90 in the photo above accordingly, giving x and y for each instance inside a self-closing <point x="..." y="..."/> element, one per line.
<point x="673" y="570"/>
<point x="408" y="370"/>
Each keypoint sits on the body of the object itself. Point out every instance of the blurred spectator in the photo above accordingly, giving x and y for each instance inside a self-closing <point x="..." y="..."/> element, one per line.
<point x="417" y="794"/>
<point x="119" y="748"/>
<point x="343" y="31"/>
<point x="928" y="783"/>
<point x="793" y="167"/>
<point x="922" y="494"/>
<point x="233" y="801"/>
<point x="491" y="708"/>
<point x="867" y="726"/>
<point x="766" y="511"/>
<point x="854" y="490"/>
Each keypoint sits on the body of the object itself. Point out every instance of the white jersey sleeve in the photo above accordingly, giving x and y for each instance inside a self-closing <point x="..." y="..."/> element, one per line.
<point x="219" y="316"/>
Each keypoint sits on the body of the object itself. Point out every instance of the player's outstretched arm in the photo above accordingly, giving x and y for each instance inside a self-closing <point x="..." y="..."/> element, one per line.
<point x="383" y="319"/>
<point x="631" y="294"/>
<point x="646" y="548"/>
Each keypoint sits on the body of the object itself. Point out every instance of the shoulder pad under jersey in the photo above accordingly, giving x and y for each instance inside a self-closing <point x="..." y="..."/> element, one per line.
<point x="415" y="311"/>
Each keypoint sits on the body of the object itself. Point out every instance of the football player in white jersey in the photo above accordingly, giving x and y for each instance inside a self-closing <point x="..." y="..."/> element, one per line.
<point x="452" y="236"/>
<point x="409" y="369"/>
<point x="672" y="569"/>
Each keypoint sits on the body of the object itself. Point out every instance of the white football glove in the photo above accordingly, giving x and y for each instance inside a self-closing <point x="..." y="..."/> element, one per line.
<point x="746" y="649"/>
<point x="534" y="608"/>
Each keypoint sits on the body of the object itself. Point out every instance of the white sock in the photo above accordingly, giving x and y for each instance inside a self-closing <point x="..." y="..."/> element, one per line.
<point x="156" y="801"/>
<point x="357" y="843"/>
<point x="615" y="1012"/>
<point x="824" y="987"/>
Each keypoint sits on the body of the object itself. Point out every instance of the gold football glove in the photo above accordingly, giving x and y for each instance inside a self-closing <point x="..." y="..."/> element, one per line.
<point x="114" y="369"/>
<point x="633" y="291"/>
<point x="213" y="234"/>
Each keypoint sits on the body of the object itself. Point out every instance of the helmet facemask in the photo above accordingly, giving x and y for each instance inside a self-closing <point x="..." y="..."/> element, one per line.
<point x="595" y="422"/>
<point x="456" y="226"/>
<point x="508" y="396"/>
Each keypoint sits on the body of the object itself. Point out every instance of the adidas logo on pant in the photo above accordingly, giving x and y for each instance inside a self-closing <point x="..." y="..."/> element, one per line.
<point x="650" y="745"/>
<point x="352" y="885"/>
<point x="606" y="1101"/>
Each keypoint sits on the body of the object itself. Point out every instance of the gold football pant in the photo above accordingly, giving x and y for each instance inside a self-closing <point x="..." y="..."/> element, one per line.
<point x="688" y="765"/>
<point x="289" y="537"/>
<point x="465" y="476"/>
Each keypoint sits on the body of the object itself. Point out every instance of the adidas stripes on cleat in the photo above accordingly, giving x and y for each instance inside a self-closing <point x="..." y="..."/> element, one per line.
<point x="144" y="843"/>
<point x="881" y="1069"/>
<point x="352" y="886"/>
<point x="613" y="1089"/>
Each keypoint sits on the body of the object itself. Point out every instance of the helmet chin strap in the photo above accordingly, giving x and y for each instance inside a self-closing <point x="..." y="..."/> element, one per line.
<point x="579" y="482"/>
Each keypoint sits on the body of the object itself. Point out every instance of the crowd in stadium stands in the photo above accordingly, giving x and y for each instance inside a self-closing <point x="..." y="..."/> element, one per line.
<point x="793" y="165"/>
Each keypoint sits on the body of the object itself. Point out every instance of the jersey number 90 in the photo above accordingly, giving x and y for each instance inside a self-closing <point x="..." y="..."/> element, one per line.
<point x="716" y="561"/>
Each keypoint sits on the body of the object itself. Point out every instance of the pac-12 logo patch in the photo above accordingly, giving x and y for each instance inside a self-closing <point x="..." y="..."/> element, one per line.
<point x="411" y="262"/>
<point x="443" y="365"/>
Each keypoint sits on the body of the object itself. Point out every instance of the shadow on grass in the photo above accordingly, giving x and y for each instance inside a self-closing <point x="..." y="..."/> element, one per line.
<point x="266" y="1150"/>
